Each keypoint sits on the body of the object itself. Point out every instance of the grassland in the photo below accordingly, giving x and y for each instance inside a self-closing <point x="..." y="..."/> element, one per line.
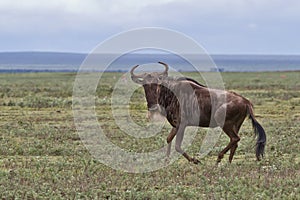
<point x="42" y="156"/>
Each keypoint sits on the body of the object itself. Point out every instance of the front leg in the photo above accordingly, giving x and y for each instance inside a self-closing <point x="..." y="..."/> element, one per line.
<point x="191" y="159"/>
<point x="179" y="138"/>
<point x="169" y="140"/>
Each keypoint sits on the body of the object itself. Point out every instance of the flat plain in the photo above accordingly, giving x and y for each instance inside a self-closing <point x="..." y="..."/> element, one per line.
<point x="43" y="157"/>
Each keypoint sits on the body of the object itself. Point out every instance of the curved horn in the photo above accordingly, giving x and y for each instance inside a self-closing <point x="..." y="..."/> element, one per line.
<point x="166" y="68"/>
<point x="134" y="77"/>
<point x="131" y="71"/>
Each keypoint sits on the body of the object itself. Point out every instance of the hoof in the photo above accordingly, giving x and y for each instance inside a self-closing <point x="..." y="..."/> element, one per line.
<point x="167" y="160"/>
<point x="258" y="158"/>
<point x="220" y="157"/>
<point x="218" y="162"/>
<point x="195" y="161"/>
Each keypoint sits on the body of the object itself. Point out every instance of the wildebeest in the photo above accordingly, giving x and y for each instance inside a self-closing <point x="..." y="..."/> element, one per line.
<point x="185" y="102"/>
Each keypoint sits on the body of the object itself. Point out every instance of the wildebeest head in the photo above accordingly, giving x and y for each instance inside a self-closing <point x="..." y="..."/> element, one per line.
<point x="151" y="83"/>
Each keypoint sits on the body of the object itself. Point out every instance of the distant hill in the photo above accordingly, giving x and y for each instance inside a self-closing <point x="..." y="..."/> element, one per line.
<point x="41" y="58"/>
<point x="66" y="62"/>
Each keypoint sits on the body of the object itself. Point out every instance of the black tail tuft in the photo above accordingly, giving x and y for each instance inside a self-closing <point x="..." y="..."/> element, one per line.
<point x="260" y="132"/>
<point x="261" y="139"/>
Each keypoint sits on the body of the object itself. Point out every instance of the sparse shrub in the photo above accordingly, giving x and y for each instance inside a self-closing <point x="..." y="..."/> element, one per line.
<point x="11" y="103"/>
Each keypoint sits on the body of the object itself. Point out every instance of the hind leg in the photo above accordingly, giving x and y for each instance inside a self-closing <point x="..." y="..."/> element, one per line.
<point x="234" y="139"/>
<point x="234" y="147"/>
<point x="232" y="151"/>
<point x="227" y="126"/>
<point x="231" y="126"/>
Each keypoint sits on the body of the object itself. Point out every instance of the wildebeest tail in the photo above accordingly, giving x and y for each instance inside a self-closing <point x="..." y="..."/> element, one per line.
<point x="259" y="131"/>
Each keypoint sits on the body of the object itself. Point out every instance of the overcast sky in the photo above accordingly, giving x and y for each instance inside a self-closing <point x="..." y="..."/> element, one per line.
<point x="220" y="26"/>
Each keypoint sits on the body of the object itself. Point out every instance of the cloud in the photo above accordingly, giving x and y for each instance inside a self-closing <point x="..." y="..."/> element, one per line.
<point x="76" y="21"/>
<point x="131" y="13"/>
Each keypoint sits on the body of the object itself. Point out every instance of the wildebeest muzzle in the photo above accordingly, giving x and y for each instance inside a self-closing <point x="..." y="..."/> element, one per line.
<point x="156" y="113"/>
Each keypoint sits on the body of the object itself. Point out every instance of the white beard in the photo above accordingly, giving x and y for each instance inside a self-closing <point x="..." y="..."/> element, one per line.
<point x="155" y="116"/>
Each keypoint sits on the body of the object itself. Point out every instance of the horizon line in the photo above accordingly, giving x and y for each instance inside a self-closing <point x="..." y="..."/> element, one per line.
<point x="158" y="53"/>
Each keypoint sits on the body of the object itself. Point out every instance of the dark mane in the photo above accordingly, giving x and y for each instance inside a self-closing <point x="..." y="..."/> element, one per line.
<point x="190" y="79"/>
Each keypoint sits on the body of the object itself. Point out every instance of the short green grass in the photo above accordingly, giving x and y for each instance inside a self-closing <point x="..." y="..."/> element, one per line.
<point x="42" y="156"/>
